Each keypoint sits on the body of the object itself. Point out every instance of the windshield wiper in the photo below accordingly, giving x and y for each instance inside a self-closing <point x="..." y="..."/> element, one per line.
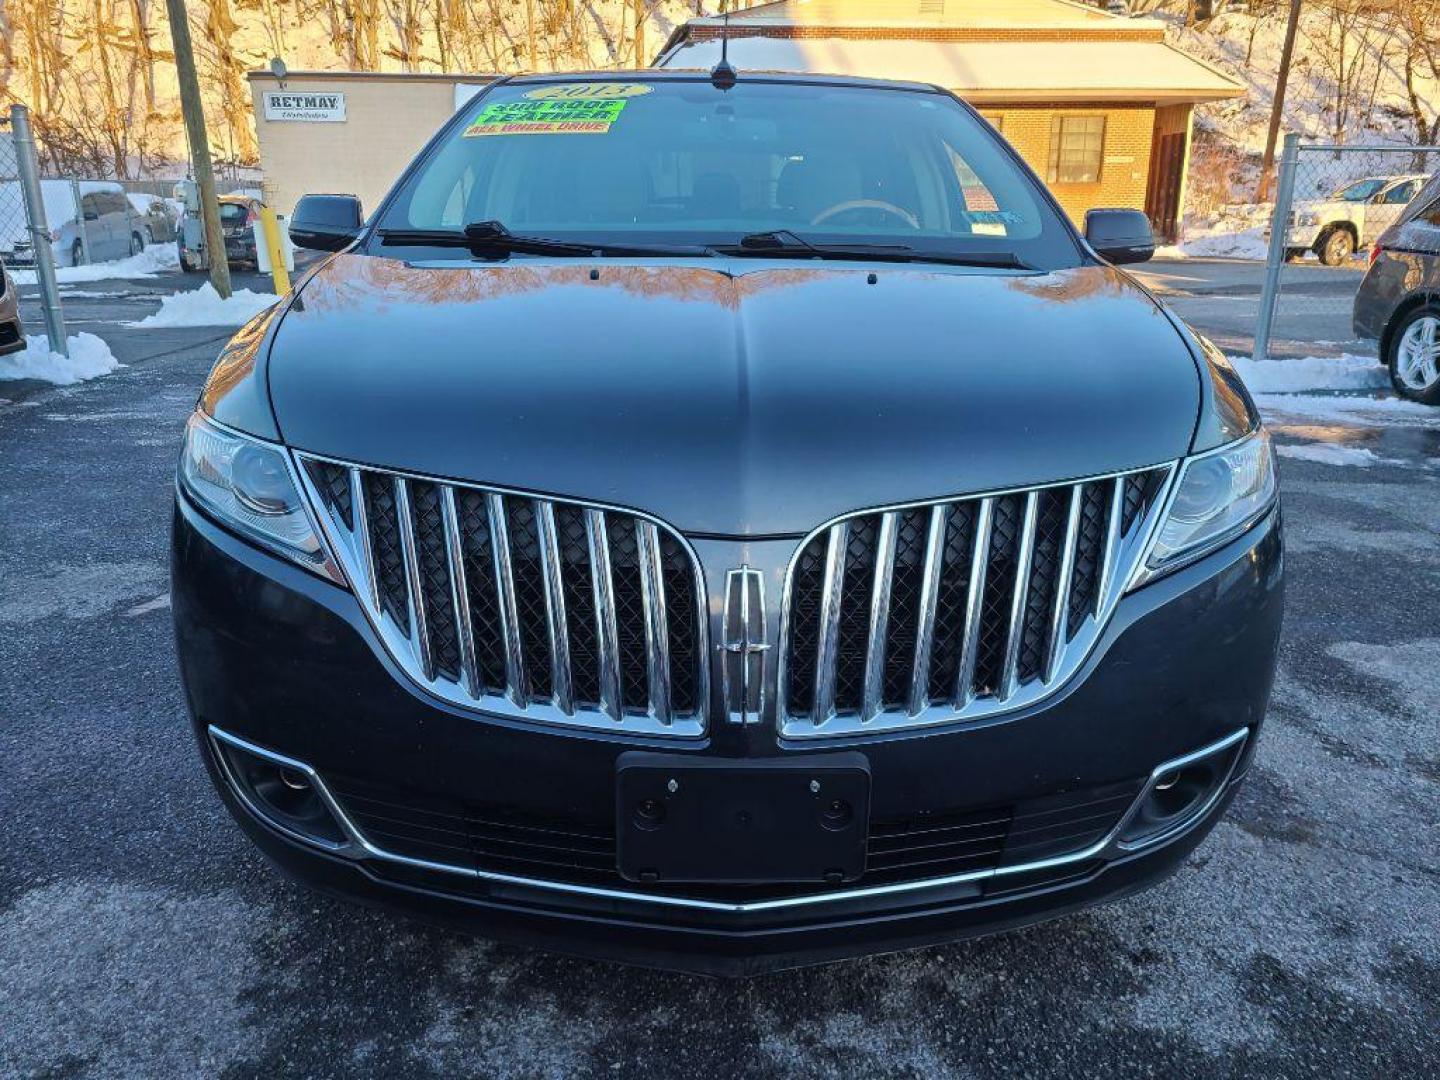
<point x="492" y="239"/>
<point x="784" y="243"/>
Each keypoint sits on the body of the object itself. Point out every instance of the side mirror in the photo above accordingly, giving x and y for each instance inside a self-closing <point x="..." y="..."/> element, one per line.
<point x="325" y="222"/>
<point x="1120" y="236"/>
<point x="91" y="215"/>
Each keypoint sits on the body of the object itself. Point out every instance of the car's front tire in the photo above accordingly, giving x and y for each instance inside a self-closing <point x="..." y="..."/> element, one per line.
<point x="1413" y="355"/>
<point x="1336" y="247"/>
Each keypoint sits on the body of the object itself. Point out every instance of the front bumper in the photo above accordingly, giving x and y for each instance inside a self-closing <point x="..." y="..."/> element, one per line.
<point x="286" y="662"/>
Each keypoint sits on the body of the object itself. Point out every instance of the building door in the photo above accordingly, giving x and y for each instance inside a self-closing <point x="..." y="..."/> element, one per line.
<point x="1162" y="194"/>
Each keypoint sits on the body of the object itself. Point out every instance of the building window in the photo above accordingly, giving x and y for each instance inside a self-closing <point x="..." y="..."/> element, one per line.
<point x="1077" y="146"/>
<point x="995" y="120"/>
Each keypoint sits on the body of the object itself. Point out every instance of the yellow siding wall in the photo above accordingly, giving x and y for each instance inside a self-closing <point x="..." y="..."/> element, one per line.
<point x="1124" y="169"/>
<point x="386" y="123"/>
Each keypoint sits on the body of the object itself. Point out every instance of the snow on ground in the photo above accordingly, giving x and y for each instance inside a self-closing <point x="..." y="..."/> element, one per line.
<point x="1339" y="390"/>
<point x="89" y="357"/>
<point x="1344" y="372"/>
<point x="1233" y="232"/>
<point x="1333" y="454"/>
<point x="155" y="259"/>
<point x="203" y="307"/>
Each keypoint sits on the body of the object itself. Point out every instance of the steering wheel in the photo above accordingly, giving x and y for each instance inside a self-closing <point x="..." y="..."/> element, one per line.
<point x="866" y="204"/>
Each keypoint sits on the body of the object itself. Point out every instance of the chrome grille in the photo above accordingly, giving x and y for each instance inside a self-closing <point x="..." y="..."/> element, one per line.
<point x="956" y="610"/>
<point x="528" y="607"/>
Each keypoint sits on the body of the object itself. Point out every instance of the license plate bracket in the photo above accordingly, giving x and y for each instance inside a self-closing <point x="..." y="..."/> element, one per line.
<point x="726" y="821"/>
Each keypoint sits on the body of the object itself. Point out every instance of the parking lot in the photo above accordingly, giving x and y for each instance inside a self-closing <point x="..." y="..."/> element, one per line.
<point x="142" y="935"/>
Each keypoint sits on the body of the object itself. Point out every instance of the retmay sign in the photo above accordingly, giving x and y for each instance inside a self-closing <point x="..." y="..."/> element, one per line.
<point x="313" y="106"/>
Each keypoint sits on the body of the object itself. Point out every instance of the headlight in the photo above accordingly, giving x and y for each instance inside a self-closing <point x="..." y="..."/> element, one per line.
<point x="247" y="484"/>
<point x="1218" y="496"/>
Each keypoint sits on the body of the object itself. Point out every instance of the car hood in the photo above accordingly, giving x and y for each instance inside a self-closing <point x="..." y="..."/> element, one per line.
<point x="732" y="397"/>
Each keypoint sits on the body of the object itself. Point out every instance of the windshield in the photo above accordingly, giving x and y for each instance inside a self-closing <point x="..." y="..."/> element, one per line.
<point x="233" y="213"/>
<point x="680" y="162"/>
<point x="1359" y="191"/>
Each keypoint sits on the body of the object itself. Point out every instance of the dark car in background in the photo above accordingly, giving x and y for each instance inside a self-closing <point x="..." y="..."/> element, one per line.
<point x="724" y="525"/>
<point x="1398" y="304"/>
<point x="238" y="213"/>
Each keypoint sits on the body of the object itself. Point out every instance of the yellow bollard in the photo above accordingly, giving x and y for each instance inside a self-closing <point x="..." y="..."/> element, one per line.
<point x="271" y="228"/>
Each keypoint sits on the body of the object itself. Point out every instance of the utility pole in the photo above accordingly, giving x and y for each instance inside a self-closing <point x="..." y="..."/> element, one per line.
<point x="1267" y="164"/>
<point x="194" y="113"/>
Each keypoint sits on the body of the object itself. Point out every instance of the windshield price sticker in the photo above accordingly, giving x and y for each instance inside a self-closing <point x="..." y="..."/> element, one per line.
<point x="567" y="116"/>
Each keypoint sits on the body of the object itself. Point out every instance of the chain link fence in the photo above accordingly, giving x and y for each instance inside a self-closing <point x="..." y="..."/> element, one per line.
<point x="24" y="231"/>
<point x="1331" y="204"/>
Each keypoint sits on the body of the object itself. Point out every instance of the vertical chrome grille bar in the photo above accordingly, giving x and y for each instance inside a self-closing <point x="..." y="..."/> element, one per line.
<point x="1060" y="616"/>
<point x="657" y="633"/>
<point x="555" y="606"/>
<point x="1112" y="546"/>
<point x="516" y="687"/>
<point x="826" y="648"/>
<point x="459" y="592"/>
<point x="974" y="603"/>
<point x="873" y="698"/>
<point x="361" y="516"/>
<point x="929" y="595"/>
<point x="605" y="633"/>
<point x="419" y="633"/>
<point x="1025" y="555"/>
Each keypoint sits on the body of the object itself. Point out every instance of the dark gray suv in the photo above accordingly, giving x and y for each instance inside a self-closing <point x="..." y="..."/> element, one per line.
<point x="723" y="525"/>
<point x="1399" y="301"/>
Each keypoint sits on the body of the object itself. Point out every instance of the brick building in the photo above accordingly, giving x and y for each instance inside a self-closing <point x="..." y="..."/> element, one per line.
<point x="1099" y="105"/>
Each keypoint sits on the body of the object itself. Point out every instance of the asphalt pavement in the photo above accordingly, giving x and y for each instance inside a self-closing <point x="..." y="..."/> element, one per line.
<point x="141" y="935"/>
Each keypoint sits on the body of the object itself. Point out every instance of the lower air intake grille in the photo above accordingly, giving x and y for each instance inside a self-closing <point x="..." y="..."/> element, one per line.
<point x="505" y="840"/>
<point x="528" y="607"/>
<point x="956" y="610"/>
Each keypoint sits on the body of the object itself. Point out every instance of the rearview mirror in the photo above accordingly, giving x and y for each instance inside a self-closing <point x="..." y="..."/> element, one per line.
<point x="325" y="222"/>
<point x="1120" y="236"/>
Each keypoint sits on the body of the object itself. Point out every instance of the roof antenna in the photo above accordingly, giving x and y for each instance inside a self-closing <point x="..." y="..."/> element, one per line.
<point x="723" y="75"/>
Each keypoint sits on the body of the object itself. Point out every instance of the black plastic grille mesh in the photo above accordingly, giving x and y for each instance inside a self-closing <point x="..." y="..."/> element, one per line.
<point x="1051" y="515"/>
<point x="807" y="585"/>
<point x="439" y="606"/>
<point x="682" y="622"/>
<point x="530" y="610"/>
<point x="385" y="549"/>
<point x="580" y="625"/>
<point x="906" y="580"/>
<point x="1089" y="553"/>
<point x="853" y="638"/>
<point x="629" y="612"/>
<point x="333" y="483"/>
<point x="951" y="599"/>
<point x="1005" y="528"/>
<point x="1140" y="491"/>
<point x="486" y="627"/>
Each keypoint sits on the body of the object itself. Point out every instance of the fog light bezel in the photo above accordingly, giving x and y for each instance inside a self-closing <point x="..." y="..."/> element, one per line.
<point x="224" y="745"/>
<point x="1229" y="752"/>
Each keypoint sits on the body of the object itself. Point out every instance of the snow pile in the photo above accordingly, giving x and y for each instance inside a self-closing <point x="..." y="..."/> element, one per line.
<point x="1310" y="373"/>
<point x="89" y="357"/>
<point x="1233" y="232"/>
<point x="203" y="307"/>
<point x="155" y="259"/>
<point x="1333" y="454"/>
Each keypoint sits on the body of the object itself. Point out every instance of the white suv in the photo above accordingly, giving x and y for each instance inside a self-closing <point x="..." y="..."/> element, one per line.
<point x="1350" y="218"/>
